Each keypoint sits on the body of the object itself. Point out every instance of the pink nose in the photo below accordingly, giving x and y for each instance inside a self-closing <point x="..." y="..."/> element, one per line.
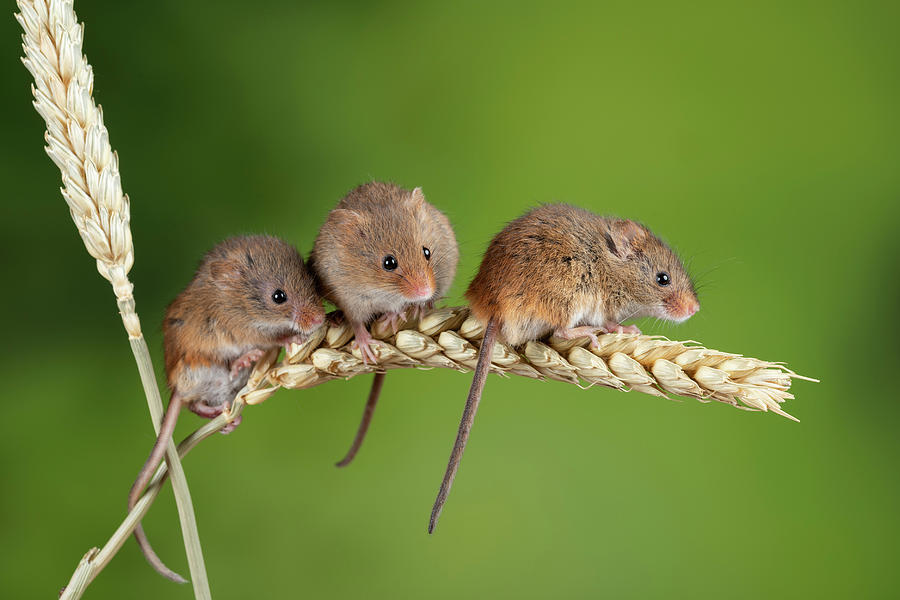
<point x="422" y="291"/>
<point x="310" y="319"/>
<point x="692" y="307"/>
<point x="417" y="290"/>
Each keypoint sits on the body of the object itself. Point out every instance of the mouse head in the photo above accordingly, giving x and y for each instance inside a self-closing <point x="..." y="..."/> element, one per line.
<point x="655" y="281"/>
<point x="404" y="247"/>
<point x="269" y="284"/>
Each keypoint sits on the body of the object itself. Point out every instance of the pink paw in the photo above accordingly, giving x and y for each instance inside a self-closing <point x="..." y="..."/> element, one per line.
<point x="578" y="332"/>
<point x="420" y="310"/>
<point x="363" y="341"/>
<point x="611" y="327"/>
<point x="206" y="411"/>
<point x="294" y="339"/>
<point x="231" y="426"/>
<point x="245" y="360"/>
<point x="393" y="320"/>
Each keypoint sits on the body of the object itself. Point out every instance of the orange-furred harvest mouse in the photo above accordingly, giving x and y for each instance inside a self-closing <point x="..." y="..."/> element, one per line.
<point x="383" y="251"/>
<point x="249" y="295"/>
<point x="565" y="270"/>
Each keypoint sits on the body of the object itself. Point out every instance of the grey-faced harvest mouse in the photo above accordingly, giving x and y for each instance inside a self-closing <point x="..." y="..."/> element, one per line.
<point x="381" y="252"/>
<point x="567" y="271"/>
<point x="249" y="295"/>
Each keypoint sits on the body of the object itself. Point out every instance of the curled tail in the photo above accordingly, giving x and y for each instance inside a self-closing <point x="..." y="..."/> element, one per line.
<point x="166" y="428"/>
<point x="374" y="393"/>
<point x="468" y="417"/>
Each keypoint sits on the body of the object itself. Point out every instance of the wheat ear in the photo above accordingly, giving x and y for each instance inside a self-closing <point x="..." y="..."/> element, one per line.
<point x="78" y="143"/>
<point x="449" y="338"/>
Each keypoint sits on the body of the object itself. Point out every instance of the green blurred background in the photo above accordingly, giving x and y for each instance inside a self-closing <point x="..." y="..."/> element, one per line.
<point x="761" y="139"/>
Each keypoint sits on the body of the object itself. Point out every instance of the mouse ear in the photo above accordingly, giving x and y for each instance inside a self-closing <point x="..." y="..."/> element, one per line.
<point x="224" y="273"/>
<point x="347" y="219"/>
<point x="417" y="197"/>
<point x="625" y="238"/>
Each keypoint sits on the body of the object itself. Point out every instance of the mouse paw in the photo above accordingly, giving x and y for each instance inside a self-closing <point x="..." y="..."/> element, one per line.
<point x="229" y="427"/>
<point x="420" y="310"/>
<point x="202" y="409"/>
<point x="363" y="342"/>
<point x="245" y="360"/>
<point x="393" y="320"/>
<point x="578" y="332"/>
<point x="613" y="327"/>
<point x="299" y="338"/>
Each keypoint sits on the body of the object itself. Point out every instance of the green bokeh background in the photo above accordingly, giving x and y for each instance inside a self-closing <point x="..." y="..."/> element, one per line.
<point x="761" y="139"/>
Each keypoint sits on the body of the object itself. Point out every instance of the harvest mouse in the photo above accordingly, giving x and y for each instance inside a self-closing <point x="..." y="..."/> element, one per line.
<point x="565" y="270"/>
<point x="249" y="295"/>
<point x="382" y="251"/>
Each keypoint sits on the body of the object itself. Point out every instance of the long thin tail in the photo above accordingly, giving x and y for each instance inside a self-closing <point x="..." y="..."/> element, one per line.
<point x="465" y="425"/>
<point x="166" y="428"/>
<point x="374" y="393"/>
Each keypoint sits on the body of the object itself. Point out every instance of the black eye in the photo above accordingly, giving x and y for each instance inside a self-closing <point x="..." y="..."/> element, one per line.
<point x="389" y="262"/>
<point x="279" y="297"/>
<point x="662" y="278"/>
<point x="427" y="253"/>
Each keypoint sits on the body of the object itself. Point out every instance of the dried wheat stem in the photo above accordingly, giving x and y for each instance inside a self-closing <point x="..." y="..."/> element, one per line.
<point x="257" y="384"/>
<point x="78" y="143"/>
<point x="449" y="338"/>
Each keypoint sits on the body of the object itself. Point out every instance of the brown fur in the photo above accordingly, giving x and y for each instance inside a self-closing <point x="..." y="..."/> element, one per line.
<point x="566" y="270"/>
<point x="559" y="267"/>
<point x="372" y="221"/>
<point x="227" y="310"/>
<point x="213" y="331"/>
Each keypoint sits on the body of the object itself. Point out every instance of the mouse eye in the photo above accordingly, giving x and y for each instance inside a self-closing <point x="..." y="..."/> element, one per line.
<point x="389" y="262"/>
<point x="426" y="252"/>
<point x="662" y="278"/>
<point x="279" y="297"/>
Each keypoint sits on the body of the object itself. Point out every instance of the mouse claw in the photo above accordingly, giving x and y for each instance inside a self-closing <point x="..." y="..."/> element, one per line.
<point x="613" y="327"/>
<point x="232" y="426"/>
<point x="367" y="352"/>
<point x="202" y="409"/>
<point x="394" y="319"/>
<point x="363" y="342"/>
<point x="578" y="332"/>
<point x="420" y="310"/>
<point x="245" y="360"/>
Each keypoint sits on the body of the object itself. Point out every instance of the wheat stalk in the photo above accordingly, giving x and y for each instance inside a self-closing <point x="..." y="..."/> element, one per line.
<point x="78" y="143"/>
<point x="449" y="338"/>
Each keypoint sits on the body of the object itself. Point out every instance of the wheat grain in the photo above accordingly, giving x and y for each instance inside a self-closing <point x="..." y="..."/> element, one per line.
<point x="449" y="338"/>
<point x="77" y="140"/>
<point x="78" y="143"/>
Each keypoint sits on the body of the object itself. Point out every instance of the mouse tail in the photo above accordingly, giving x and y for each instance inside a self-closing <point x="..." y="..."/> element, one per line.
<point x="155" y="561"/>
<point x="166" y="429"/>
<point x="465" y="425"/>
<point x="374" y="393"/>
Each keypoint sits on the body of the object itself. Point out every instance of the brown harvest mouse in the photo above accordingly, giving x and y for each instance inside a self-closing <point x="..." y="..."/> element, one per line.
<point x="249" y="295"/>
<point x="567" y="271"/>
<point x="382" y="251"/>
